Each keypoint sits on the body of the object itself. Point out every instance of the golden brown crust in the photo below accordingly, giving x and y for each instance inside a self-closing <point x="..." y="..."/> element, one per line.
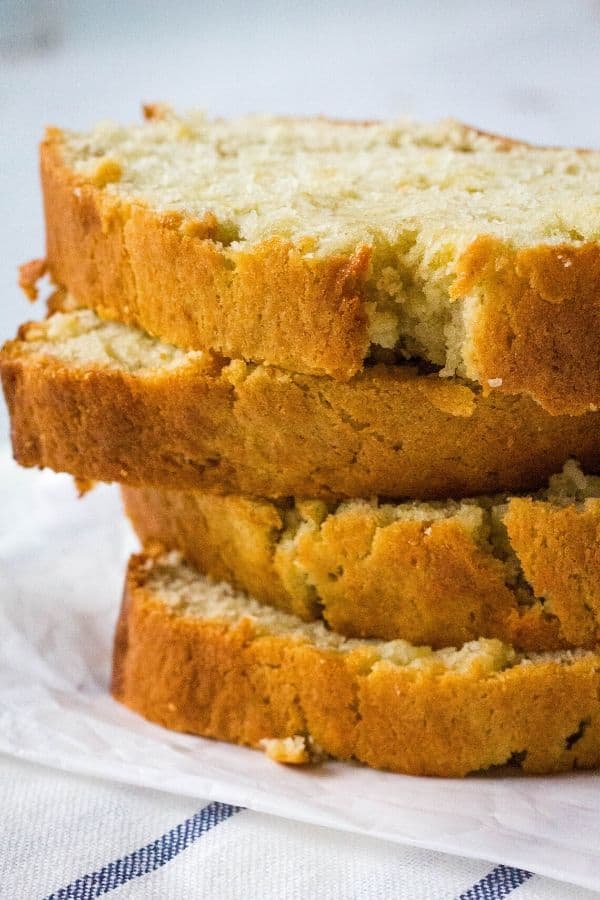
<point x="542" y="307"/>
<point x="535" y="331"/>
<point x="224" y="681"/>
<point x="265" y="432"/>
<point x="428" y="582"/>
<point x="229" y="538"/>
<point x="168" y="275"/>
<point x="559" y="551"/>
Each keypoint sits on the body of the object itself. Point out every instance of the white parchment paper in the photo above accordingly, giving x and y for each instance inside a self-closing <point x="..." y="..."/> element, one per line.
<point x="61" y="568"/>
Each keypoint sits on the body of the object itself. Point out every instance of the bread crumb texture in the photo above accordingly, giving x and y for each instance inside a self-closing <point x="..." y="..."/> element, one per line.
<point x="201" y="657"/>
<point x="311" y="243"/>
<point x="83" y="339"/>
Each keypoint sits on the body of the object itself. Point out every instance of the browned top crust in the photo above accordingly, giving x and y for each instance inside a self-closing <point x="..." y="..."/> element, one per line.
<point x="230" y="680"/>
<point x="261" y="431"/>
<point x="534" y="329"/>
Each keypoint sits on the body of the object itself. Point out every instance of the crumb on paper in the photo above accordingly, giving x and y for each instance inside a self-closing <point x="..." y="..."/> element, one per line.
<point x="291" y="751"/>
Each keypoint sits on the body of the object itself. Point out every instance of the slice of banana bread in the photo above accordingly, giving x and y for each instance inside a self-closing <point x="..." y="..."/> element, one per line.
<point x="105" y="401"/>
<point x="525" y="570"/>
<point x="311" y="244"/>
<point x="199" y="657"/>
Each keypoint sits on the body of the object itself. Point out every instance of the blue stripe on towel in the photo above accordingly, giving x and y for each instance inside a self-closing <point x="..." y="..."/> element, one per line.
<point x="146" y="859"/>
<point x="497" y="884"/>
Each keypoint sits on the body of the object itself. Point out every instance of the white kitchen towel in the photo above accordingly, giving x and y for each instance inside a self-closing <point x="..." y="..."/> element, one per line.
<point x="66" y="837"/>
<point x="61" y="571"/>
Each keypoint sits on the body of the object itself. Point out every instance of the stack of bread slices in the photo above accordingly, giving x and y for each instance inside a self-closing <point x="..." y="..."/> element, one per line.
<point x="348" y="375"/>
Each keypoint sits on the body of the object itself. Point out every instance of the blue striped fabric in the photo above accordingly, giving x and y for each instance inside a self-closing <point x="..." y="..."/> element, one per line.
<point x="498" y="883"/>
<point x="146" y="859"/>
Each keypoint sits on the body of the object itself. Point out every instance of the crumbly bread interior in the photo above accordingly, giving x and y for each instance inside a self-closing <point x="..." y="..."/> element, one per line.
<point x="571" y="486"/>
<point x="418" y="195"/>
<point x="173" y="583"/>
<point x="481" y="517"/>
<point x="81" y="337"/>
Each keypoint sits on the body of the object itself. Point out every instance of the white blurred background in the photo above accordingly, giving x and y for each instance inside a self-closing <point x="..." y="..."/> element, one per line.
<point x="530" y="69"/>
